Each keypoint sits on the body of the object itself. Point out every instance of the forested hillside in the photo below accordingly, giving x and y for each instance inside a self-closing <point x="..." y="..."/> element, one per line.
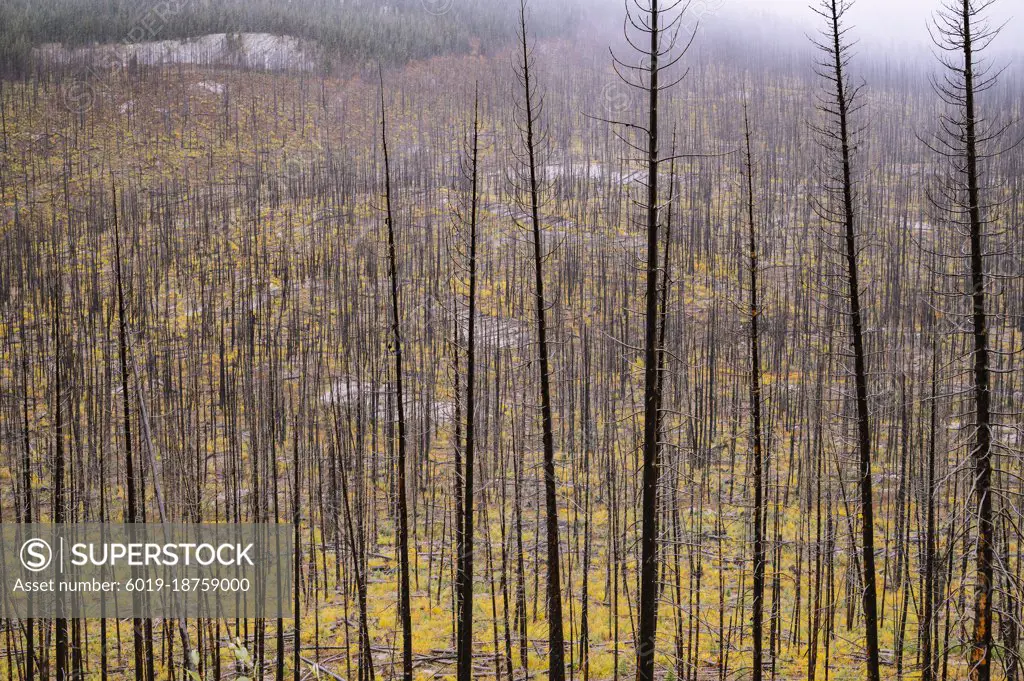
<point x="350" y="31"/>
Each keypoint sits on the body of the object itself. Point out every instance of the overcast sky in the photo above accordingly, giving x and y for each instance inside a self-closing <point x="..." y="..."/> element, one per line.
<point x="875" y="23"/>
<point x="902" y="22"/>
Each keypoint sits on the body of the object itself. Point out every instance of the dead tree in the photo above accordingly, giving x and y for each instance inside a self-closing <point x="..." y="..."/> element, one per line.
<point x="965" y="141"/>
<point x="59" y="476"/>
<point x="26" y="474"/>
<point x="755" y="415"/>
<point x="659" y="28"/>
<point x="528" y="123"/>
<point x="929" y="659"/>
<point x="132" y="509"/>
<point x="837" y="138"/>
<point x="404" y="608"/>
<point x="465" y="571"/>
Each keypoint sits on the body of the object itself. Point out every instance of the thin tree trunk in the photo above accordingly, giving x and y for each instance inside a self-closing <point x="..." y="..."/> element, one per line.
<point x="652" y="385"/>
<point x="981" y="649"/>
<point x="929" y="660"/>
<point x="59" y="506"/>
<point x="465" y="573"/>
<point x="404" y="607"/>
<point x="131" y="501"/>
<point x="834" y="12"/>
<point x="556" y="645"/>
<point x="755" y="415"/>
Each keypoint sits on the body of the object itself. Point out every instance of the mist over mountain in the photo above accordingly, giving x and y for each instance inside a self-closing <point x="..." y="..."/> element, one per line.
<point x="352" y="31"/>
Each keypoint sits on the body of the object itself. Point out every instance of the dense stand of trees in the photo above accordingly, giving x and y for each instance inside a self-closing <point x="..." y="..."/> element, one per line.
<point x="349" y="32"/>
<point x="536" y="390"/>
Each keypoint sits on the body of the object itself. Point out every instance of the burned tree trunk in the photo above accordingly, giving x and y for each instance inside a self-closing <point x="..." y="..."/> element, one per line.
<point x="59" y="476"/>
<point x="929" y="660"/>
<point x="839" y="144"/>
<point x="132" y="509"/>
<point x="755" y="419"/>
<point x="961" y="33"/>
<point x="981" y="652"/>
<point x="26" y="482"/>
<point x="652" y="384"/>
<point x="465" y="572"/>
<point x="530" y="112"/>
<point x="404" y="608"/>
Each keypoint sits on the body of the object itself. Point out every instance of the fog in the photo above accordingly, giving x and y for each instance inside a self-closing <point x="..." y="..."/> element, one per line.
<point x="881" y="23"/>
<point x="899" y="26"/>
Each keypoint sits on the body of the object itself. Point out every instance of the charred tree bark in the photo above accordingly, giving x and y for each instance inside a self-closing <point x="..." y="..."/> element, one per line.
<point x="965" y="142"/>
<point x="465" y="573"/>
<point x="59" y="502"/>
<point x="26" y="482"/>
<point x="929" y="660"/>
<point x="981" y="649"/>
<point x="297" y="539"/>
<point x="556" y="639"/>
<point x="652" y="385"/>
<point x="755" y="417"/>
<point x="404" y="608"/>
<point x="132" y="509"/>
<point x="841" y="134"/>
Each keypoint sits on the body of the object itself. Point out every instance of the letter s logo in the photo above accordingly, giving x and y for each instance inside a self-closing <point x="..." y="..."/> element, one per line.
<point x="36" y="555"/>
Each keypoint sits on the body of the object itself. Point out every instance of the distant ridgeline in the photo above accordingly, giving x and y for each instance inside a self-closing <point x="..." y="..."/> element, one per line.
<point x="346" y="30"/>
